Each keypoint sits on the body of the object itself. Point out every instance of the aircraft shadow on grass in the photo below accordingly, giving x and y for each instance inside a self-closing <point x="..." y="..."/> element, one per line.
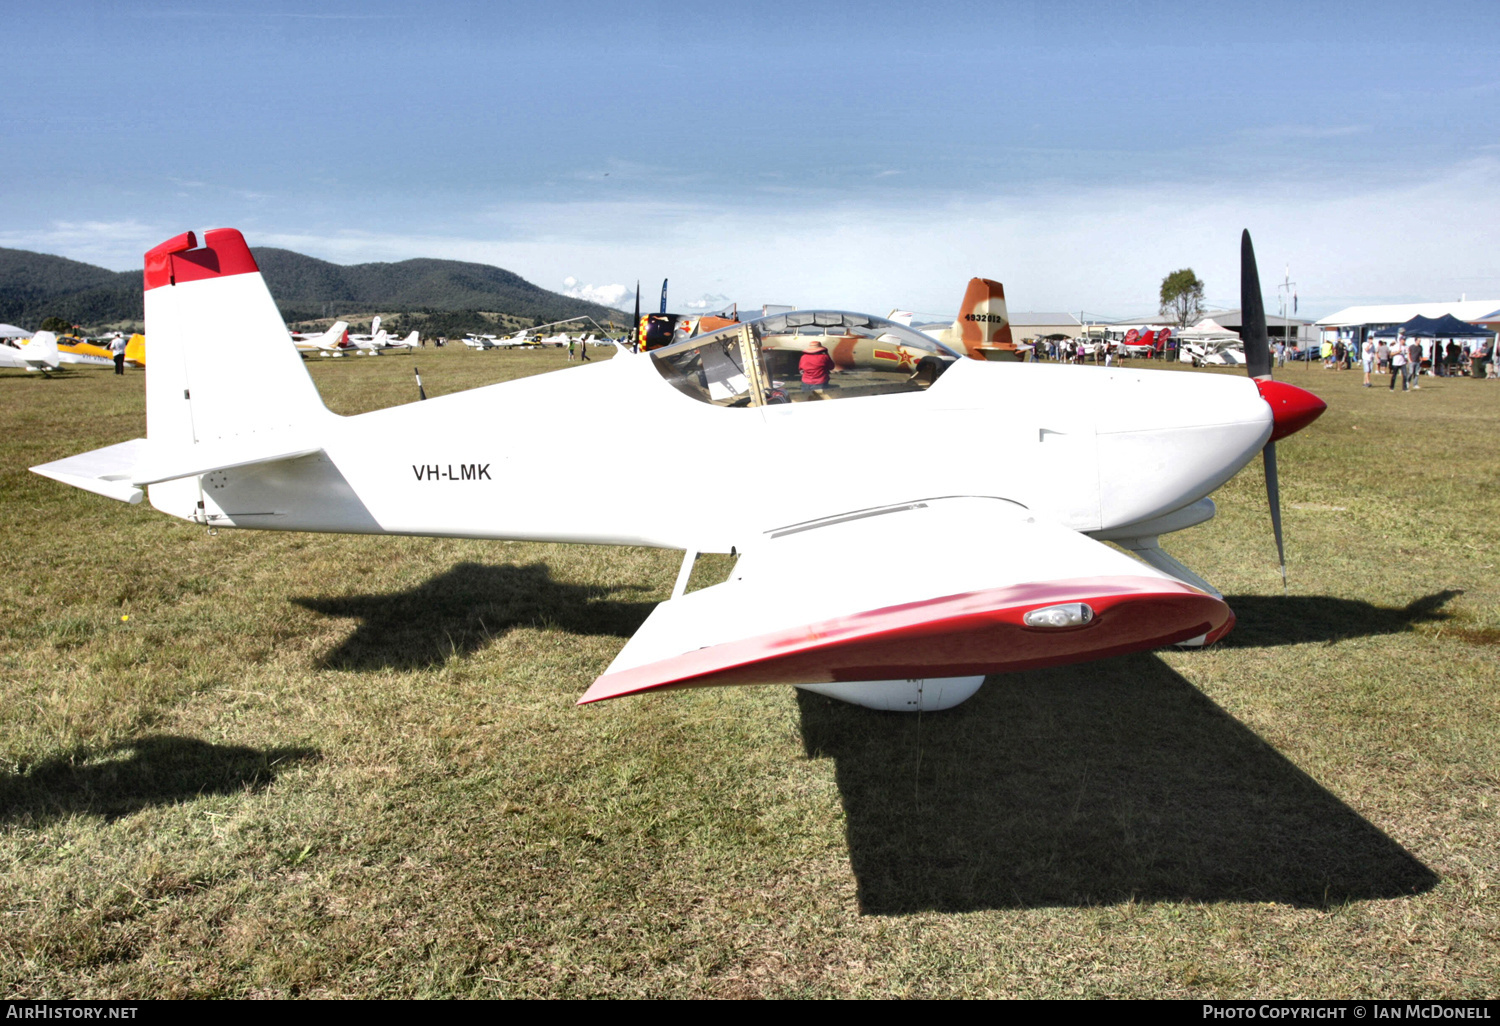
<point x="1093" y="784"/>
<point x="1266" y="620"/>
<point x="464" y="609"/>
<point x="125" y="778"/>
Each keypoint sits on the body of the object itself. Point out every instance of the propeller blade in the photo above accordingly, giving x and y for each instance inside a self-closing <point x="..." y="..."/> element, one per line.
<point x="1253" y="314"/>
<point x="1273" y="495"/>
<point x="635" y="325"/>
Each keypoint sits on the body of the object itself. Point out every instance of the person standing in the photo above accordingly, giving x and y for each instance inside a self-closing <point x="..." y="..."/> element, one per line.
<point x="117" y="349"/>
<point x="815" y="367"/>
<point x="1413" y="362"/>
<point x="570" y="350"/>
<point x="1367" y="360"/>
<point x="1398" y="364"/>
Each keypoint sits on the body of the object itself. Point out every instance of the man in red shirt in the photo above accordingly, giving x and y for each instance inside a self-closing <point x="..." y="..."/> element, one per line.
<point x="815" y="366"/>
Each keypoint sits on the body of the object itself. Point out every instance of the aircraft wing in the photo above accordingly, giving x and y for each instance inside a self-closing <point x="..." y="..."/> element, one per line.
<point x="930" y="588"/>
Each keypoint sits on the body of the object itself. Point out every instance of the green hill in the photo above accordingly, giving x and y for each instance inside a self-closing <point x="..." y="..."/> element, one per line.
<point x="36" y="285"/>
<point x="451" y="292"/>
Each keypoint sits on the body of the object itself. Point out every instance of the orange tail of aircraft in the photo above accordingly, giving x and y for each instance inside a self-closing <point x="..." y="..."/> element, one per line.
<point x="982" y="329"/>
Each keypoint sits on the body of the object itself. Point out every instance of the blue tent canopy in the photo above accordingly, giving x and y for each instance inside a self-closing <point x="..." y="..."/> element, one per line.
<point x="1446" y="326"/>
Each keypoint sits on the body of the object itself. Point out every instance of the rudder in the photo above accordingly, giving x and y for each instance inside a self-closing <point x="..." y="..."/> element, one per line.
<point x="222" y="364"/>
<point x="982" y="328"/>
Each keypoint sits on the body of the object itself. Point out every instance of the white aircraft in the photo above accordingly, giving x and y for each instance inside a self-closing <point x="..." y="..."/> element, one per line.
<point x="820" y="500"/>
<point x="327" y="343"/>
<point x="1211" y="354"/>
<point x="40" y="353"/>
<point x="519" y="338"/>
<point x="380" y="341"/>
<point x="413" y="340"/>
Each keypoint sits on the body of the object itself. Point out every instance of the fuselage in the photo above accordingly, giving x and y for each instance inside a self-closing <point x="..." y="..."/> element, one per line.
<point x="1089" y="449"/>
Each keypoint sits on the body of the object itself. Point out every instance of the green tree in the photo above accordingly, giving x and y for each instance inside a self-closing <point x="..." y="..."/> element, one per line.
<point x="56" y="325"/>
<point x="1182" y="297"/>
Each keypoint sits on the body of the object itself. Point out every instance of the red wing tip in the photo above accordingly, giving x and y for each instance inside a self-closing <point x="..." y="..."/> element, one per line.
<point x="1216" y="635"/>
<point x="925" y="638"/>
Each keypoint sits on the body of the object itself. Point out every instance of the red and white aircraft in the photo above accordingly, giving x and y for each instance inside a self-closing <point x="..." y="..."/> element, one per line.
<point x="1011" y="476"/>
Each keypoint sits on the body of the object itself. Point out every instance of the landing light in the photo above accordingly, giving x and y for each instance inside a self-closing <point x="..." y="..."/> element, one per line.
<point x="1071" y="614"/>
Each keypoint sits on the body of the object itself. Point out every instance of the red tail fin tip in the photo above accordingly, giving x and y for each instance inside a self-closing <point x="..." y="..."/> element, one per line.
<point x="179" y="259"/>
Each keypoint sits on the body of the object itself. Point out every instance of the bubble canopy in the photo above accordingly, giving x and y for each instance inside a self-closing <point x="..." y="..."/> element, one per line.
<point x="803" y="355"/>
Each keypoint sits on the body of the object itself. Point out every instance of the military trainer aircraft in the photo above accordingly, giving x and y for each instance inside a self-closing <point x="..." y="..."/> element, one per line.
<point x="895" y="544"/>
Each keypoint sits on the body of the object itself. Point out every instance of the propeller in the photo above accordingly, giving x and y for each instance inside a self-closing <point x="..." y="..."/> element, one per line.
<point x="1292" y="408"/>
<point x="1258" y="364"/>
<point x="635" y="325"/>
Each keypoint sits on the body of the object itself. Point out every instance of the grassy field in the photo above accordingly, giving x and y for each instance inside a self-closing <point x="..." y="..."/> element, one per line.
<point x="244" y="764"/>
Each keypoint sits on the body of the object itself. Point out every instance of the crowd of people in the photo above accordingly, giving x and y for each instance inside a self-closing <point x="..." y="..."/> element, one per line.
<point x="1407" y="359"/>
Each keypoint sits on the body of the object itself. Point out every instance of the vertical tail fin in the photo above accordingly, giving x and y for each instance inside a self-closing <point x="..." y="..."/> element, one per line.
<point x="41" y="351"/>
<point x="983" y="326"/>
<point x="334" y="336"/>
<point x="221" y="364"/>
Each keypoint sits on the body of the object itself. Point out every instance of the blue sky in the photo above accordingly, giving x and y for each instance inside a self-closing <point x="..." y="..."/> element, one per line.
<point x="864" y="156"/>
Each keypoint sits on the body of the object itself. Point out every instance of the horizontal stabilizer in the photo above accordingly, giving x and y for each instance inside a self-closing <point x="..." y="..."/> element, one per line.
<point x="121" y="471"/>
<point x="104" y="471"/>
<point x="169" y="465"/>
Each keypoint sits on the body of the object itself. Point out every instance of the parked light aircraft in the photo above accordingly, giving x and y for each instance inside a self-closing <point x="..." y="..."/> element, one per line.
<point x="135" y="350"/>
<point x="379" y="341"/>
<point x="98" y="356"/>
<point x="1211" y="353"/>
<point x="332" y="342"/>
<point x="520" y="338"/>
<point x="816" y="498"/>
<point x="42" y="353"/>
<point x="38" y="353"/>
<point x="1210" y="343"/>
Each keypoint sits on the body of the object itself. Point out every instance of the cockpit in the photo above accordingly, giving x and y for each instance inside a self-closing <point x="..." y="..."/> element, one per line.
<point x="803" y="356"/>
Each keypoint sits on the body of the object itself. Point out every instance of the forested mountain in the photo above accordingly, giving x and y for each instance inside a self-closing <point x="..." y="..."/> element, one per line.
<point x="36" y="285"/>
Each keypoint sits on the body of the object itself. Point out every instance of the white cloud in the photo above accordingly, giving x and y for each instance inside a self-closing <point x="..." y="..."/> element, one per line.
<point x="617" y="296"/>
<point x="708" y="301"/>
<point x="1104" y="250"/>
<point x="119" y="245"/>
<point x="1100" y="249"/>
